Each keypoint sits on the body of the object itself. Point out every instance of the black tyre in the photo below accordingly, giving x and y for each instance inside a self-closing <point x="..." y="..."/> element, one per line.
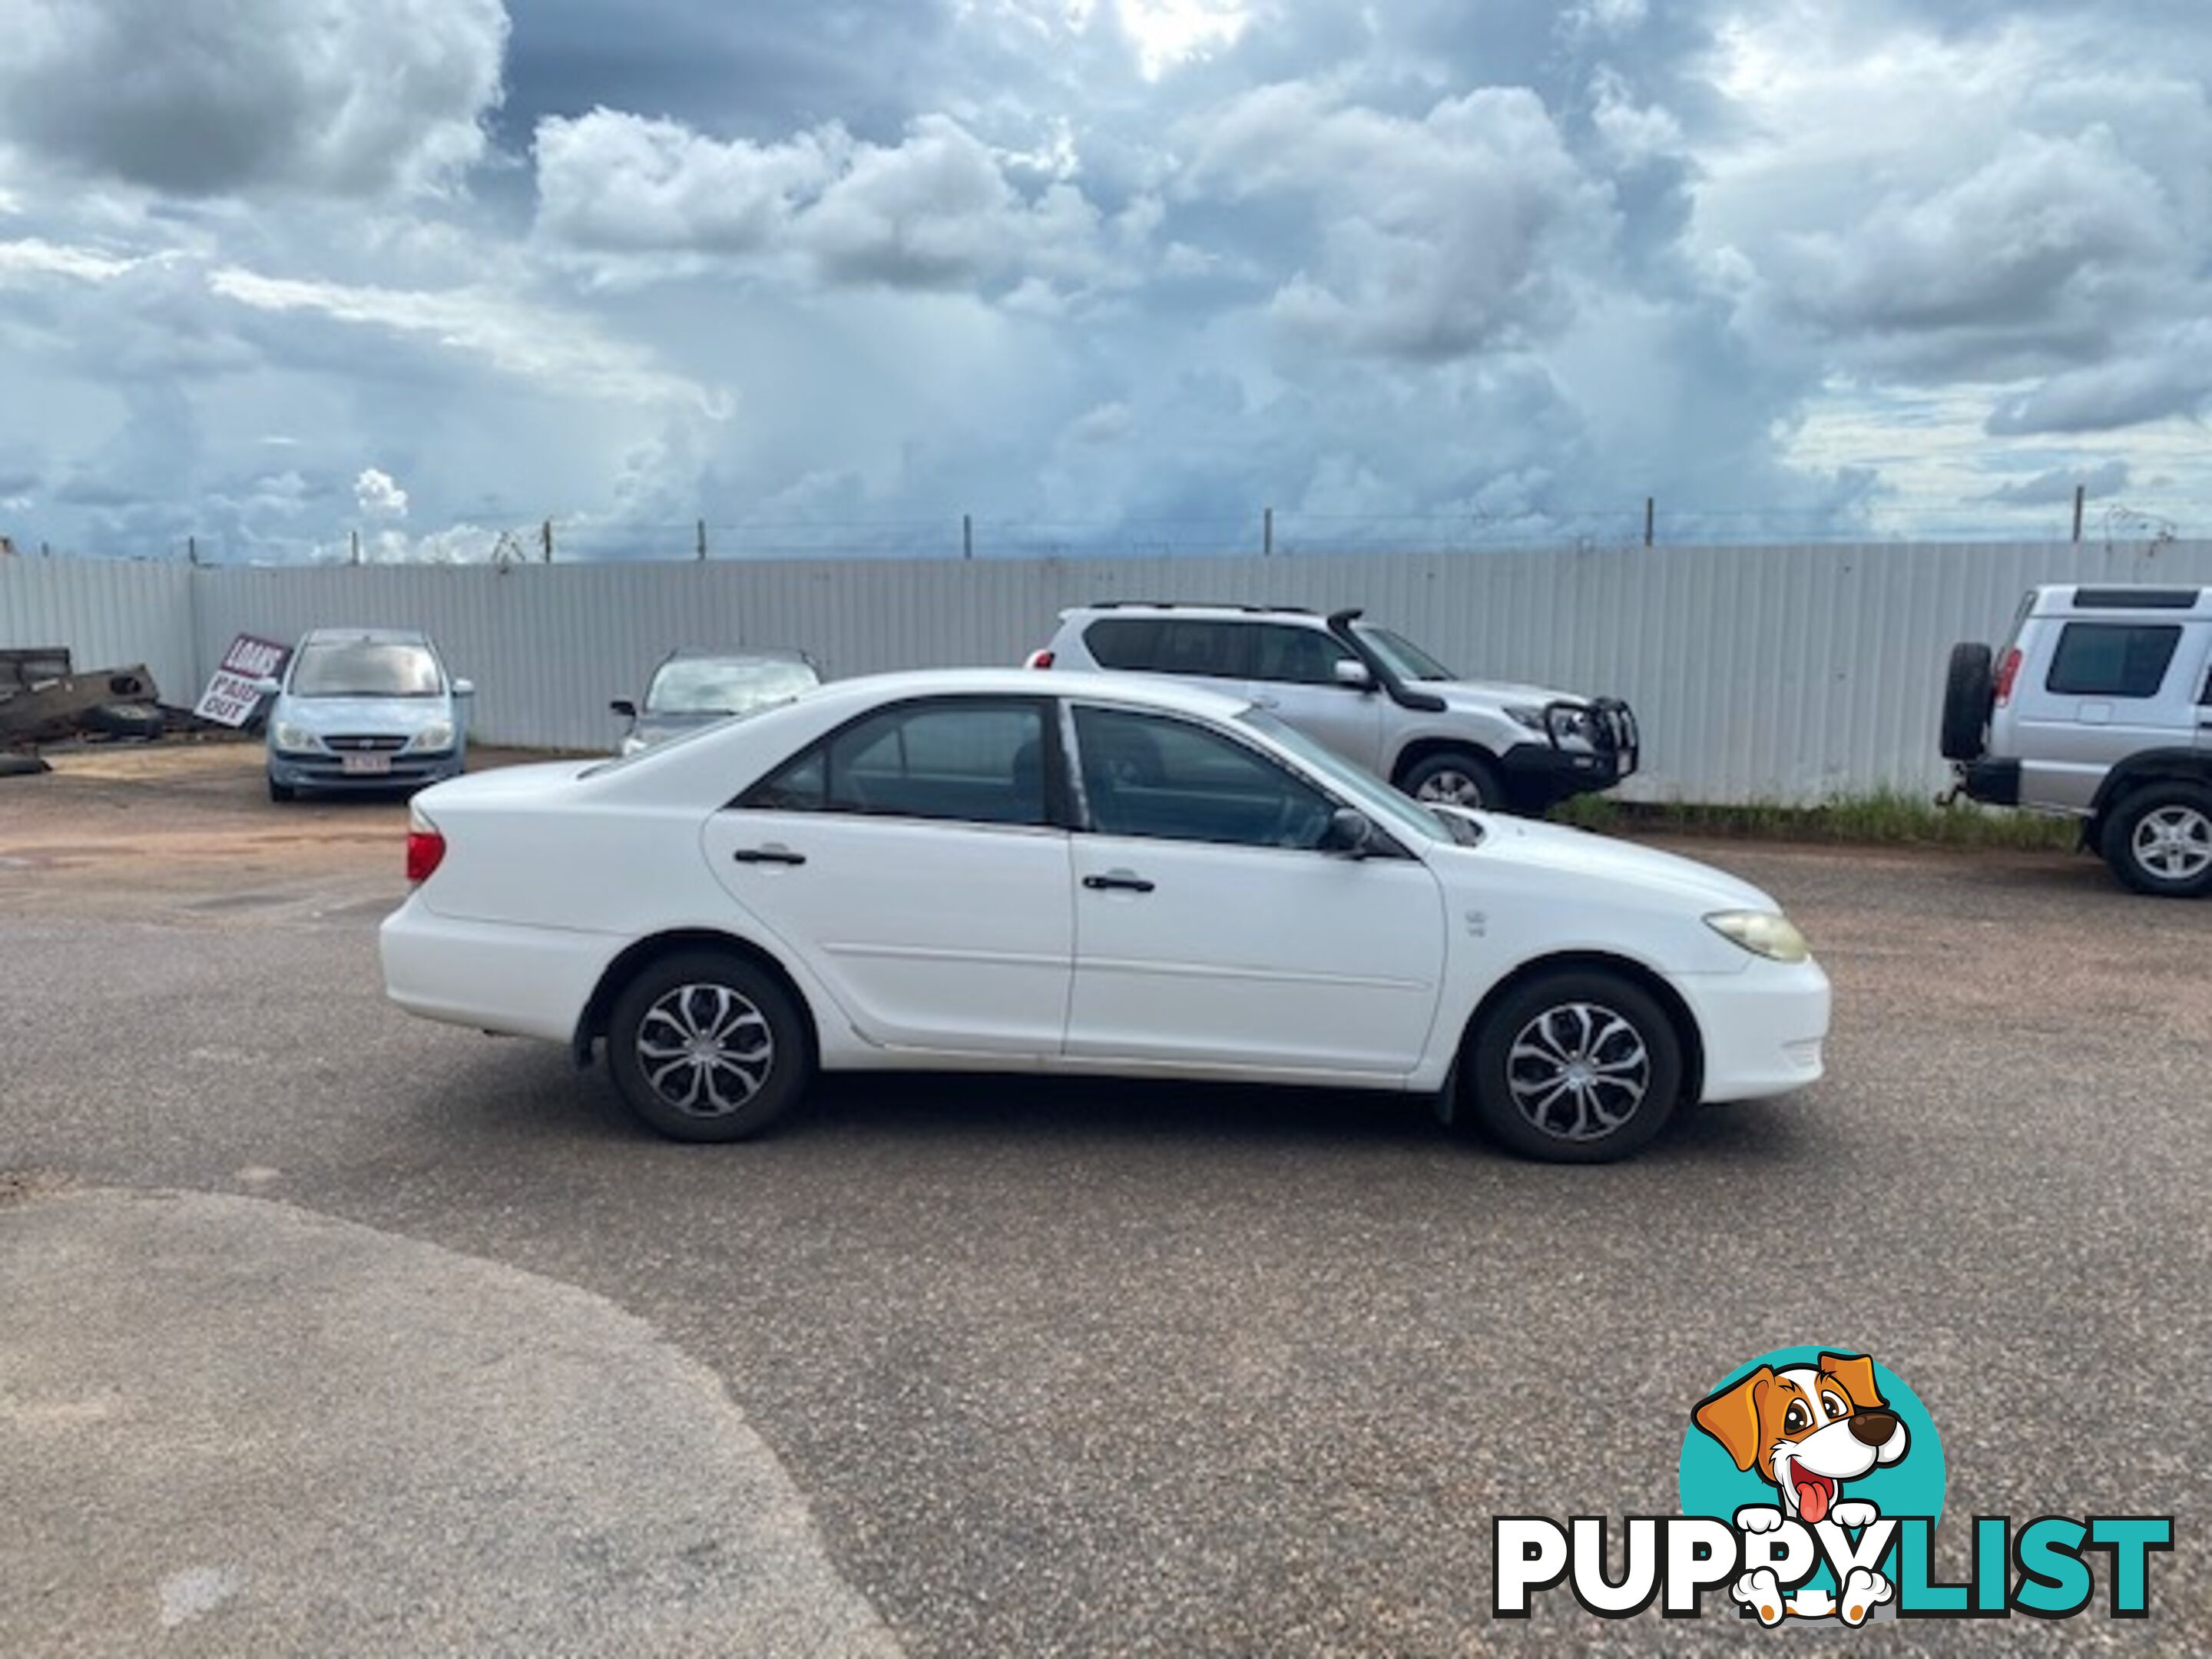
<point x="705" y="1046"/>
<point x="281" y="793"/>
<point x="1969" y="696"/>
<point x="1456" y="777"/>
<point x="1577" y="1066"/>
<point x="2159" y="840"/>
<point x="127" y="719"/>
<point x="22" y="766"/>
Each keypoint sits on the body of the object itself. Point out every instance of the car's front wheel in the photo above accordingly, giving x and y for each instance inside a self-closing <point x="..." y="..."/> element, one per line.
<point x="705" y="1046"/>
<point x="281" y="792"/>
<point x="1576" y="1066"/>
<point x="2159" y="840"/>
<point x="1455" y="777"/>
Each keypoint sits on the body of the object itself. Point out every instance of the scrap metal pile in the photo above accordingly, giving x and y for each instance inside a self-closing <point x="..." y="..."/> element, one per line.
<point x="43" y="700"/>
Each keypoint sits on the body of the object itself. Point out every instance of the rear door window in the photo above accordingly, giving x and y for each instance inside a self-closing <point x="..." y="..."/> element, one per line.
<point x="1170" y="645"/>
<point x="2112" y="660"/>
<point x="972" y="760"/>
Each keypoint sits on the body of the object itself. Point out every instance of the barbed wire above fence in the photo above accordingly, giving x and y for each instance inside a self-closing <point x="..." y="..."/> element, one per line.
<point x="1265" y="531"/>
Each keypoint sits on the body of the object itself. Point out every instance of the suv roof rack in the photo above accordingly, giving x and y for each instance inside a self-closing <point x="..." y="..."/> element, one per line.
<point x="2136" y="599"/>
<point x="1194" y="604"/>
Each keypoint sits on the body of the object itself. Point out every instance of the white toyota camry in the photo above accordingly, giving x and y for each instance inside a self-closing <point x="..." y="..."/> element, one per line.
<point x="967" y="871"/>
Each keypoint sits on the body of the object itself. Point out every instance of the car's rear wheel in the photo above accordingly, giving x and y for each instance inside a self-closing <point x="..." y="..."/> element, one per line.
<point x="1455" y="777"/>
<point x="1577" y="1066"/>
<point x="705" y="1046"/>
<point x="2159" y="840"/>
<point x="1969" y="696"/>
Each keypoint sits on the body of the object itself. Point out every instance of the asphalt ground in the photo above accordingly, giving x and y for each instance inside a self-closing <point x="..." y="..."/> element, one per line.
<point x="1055" y="1367"/>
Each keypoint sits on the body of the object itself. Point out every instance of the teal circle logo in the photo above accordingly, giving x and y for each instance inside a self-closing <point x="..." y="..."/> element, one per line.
<point x="1812" y="1432"/>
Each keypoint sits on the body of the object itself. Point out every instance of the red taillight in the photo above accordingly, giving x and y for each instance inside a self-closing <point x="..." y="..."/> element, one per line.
<point x="425" y="849"/>
<point x="1039" y="659"/>
<point x="2005" y="674"/>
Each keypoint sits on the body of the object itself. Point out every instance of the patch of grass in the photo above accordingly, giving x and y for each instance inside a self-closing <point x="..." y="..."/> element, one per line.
<point x="1881" y="817"/>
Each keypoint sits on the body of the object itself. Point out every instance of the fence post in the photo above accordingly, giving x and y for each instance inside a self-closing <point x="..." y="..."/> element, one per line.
<point x="1650" y="514"/>
<point x="192" y="550"/>
<point x="2081" y="494"/>
<point x="702" y="540"/>
<point x="967" y="537"/>
<point x="354" y="535"/>
<point x="545" y="539"/>
<point x="1266" y="532"/>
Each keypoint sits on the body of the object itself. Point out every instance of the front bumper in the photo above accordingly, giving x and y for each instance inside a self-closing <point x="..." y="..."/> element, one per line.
<point x="1538" y="776"/>
<point x="407" y="770"/>
<point x="1763" y="1028"/>
<point x="1587" y="747"/>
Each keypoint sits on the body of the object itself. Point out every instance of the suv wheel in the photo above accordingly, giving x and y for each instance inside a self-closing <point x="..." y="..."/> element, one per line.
<point x="1969" y="694"/>
<point x="1577" y="1066"/>
<point x="1455" y="777"/>
<point x="2159" y="840"/>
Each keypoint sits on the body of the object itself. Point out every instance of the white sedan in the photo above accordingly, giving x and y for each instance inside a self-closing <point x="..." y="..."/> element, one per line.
<point x="966" y="871"/>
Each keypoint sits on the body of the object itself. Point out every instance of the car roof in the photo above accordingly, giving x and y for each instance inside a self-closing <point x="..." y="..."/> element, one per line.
<point x="369" y="636"/>
<point x="1203" y="610"/>
<point x="737" y="654"/>
<point x="1136" y="691"/>
<point x="2099" y="599"/>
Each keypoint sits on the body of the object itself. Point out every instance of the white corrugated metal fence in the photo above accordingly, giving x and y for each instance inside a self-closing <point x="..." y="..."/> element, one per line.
<point x="1772" y="673"/>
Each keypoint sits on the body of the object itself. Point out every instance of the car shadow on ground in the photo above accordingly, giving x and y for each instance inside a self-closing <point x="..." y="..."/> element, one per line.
<point x="518" y="1093"/>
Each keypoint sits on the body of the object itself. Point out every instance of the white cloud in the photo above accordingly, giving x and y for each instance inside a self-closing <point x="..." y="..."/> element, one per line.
<point x="1436" y="237"/>
<point x="935" y="211"/>
<point x="33" y="257"/>
<point x="378" y="496"/>
<point x="218" y="97"/>
<point x="486" y="323"/>
<point x="627" y="184"/>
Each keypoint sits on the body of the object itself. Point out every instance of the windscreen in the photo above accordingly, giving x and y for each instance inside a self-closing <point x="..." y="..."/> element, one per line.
<point x="1403" y="658"/>
<point x="365" y="668"/>
<point x="708" y="685"/>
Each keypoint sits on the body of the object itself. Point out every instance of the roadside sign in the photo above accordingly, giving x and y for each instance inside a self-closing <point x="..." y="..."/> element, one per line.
<point x="230" y="698"/>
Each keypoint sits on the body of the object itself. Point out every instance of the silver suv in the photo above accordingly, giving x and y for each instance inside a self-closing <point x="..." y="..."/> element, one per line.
<point x="2099" y="706"/>
<point x="1370" y="694"/>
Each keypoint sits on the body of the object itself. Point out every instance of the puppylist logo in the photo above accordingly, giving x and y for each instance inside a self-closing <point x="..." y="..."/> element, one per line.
<point x="1812" y="1480"/>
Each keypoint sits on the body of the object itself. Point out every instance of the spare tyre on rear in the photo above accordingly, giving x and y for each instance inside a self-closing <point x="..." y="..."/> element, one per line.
<point x="1969" y="694"/>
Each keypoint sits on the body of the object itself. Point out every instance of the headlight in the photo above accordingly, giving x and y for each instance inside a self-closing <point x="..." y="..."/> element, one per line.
<point x="1762" y="933"/>
<point x="289" y="736"/>
<point x="438" y="734"/>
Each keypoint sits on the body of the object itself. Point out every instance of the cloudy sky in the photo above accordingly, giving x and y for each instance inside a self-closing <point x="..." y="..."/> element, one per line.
<point x="830" y="273"/>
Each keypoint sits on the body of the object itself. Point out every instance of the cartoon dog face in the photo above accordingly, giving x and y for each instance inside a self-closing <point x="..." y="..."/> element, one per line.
<point x="1807" y="1428"/>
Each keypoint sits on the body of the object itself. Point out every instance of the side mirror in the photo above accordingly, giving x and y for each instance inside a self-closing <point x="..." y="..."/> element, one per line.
<point x="465" y="688"/>
<point x="1351" y="834"/>
<point x="625" y="708"/>
<point x="1354" y="674"/>
<point x="267" y="688"/>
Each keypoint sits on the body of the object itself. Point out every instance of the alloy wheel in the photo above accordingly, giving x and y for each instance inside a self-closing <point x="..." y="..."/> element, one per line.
<point x="2174" y="842"/>
<point x="1578" y="1071"/>
<point x="705" y="1049"/>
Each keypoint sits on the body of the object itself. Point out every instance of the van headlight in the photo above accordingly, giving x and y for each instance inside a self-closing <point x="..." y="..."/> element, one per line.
<point x="438" y="734"/>
<point x="289" y="736"/>
<point x="1763" y="932"/>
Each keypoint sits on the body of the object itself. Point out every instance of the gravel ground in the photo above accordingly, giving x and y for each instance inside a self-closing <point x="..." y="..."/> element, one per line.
<point x="1108" y="1369"/>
